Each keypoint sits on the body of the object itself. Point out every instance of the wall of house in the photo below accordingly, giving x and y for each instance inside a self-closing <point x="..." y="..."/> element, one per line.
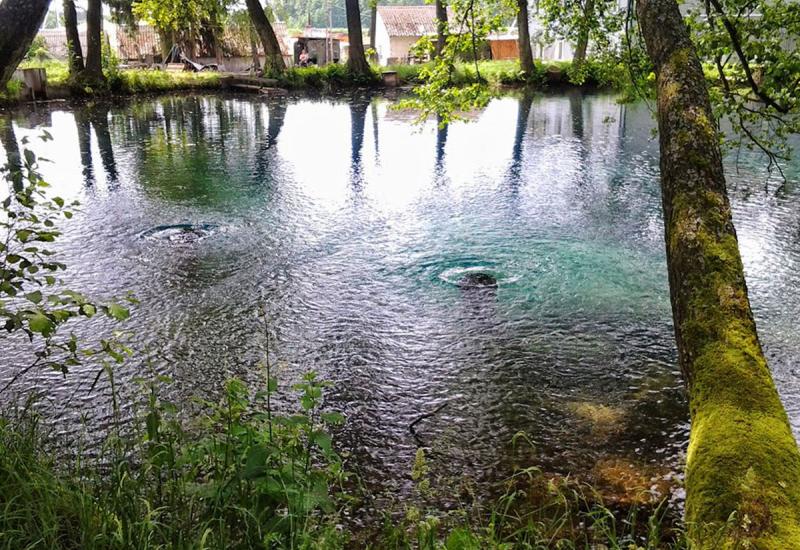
<point x="400" y="46"/>
<point x="382" y="41"/>
<point x="391" y="50"/>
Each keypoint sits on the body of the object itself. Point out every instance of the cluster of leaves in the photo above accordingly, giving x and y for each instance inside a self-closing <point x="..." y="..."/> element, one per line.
<point x="752" y="46"/>
<point x="600" y="21"/>
<point x="32" y="299"/>
<point x="184" y="19"/>
<point x="38" y="50"/>
<point x="438" y="94"/>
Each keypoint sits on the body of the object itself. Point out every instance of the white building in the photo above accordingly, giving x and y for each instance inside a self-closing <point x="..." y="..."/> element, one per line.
<point x="397" y="28"/>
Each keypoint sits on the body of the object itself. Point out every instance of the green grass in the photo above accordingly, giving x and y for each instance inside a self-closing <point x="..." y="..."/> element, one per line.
<point x="244" y="478"/>
<point x="236" y="477"/>
<point x="325" y="77"/>
<point x="130" y="81"/>
<point x="505" y="73"/>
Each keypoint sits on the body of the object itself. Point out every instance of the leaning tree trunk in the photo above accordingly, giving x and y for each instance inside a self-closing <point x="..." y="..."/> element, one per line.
<point x="357" y="61"/>
<point x="524" y="40"/>
<point x="441" y="26"/>
<point x="582" y="43"/>
<point x="93" y="72"/>
<point x="742" y="457"/>
<point x="19" y="22"/>
<point x="74" y="50"/>
<point x="273" y="58"/>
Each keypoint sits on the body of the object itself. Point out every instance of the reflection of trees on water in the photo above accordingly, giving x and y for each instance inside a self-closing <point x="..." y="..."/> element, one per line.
<point x="441" y="144"/>
<point x="358" y="120"/>
<point x="267" y="138"/>
<point x="8" y="139"/>
<point x="98" y="116"/>
<point x="84" y="130"/>
<point x="524" y="105"/>
<point x="375" y="127"/>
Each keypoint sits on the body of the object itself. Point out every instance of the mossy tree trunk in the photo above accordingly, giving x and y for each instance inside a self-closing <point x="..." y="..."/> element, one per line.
<point x="273" y="58"/>
<point x="74" y="50"/>
<point x="441" y="26"/>
<point x="357" y="60"/>
<point x="19" y="22"/>
<point x="524" y="40"/>
<point x="742" y="457"/>
<point x="93" y="71"/>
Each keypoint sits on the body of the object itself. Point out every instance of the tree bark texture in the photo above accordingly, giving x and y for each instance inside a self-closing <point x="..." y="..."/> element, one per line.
<point x="742" y="457"/>
<point x="524" y="40"/>
<point x="273" y="62"/>
<point x="94" y="42"/>
<point x="582" y="44"/>
<point x="19" y="22"/>
<point x="74" y="50"/>
<point x="357" y="60"/>
<point x="373" y="23"/>
<point x="441" y="26"/>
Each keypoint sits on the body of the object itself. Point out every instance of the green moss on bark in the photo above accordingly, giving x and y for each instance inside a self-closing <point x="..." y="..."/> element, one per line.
<point x="743" y="465"/>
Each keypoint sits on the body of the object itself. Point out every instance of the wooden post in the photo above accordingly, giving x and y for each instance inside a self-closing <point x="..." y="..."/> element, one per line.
<point x="36" y="81"/>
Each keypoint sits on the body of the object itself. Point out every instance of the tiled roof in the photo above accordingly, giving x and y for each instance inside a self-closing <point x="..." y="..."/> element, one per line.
<point x="409" y="20"/>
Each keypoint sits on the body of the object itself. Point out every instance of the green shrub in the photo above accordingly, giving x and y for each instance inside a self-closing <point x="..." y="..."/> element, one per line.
<point x="38" y="50"/>
<point x="335" y="75"/>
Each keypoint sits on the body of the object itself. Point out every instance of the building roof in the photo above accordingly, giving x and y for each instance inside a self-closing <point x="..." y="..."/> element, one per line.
<point x="409" y="20"/>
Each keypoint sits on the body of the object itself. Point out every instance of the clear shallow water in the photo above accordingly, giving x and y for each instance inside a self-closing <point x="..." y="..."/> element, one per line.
<point x="355" y="227"/>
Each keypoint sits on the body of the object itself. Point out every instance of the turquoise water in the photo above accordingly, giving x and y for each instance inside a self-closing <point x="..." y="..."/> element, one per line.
<point x="355" y="227"/>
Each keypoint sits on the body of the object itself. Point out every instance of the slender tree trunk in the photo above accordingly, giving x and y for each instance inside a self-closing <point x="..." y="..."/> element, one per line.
<point x="357" y="61"/>
<point x="441" y="26"/>
<point x="581" y="45"/>
<point x="273" y="62"/>
<point x="19" y="22"/>
<point x="254" y="50"/>
<point x="742" y="457"/>
<point x="524" y="40"/>
<point x="74" y="50"/>
<point x="94" y="42"/>
<point x="373" y="24"/>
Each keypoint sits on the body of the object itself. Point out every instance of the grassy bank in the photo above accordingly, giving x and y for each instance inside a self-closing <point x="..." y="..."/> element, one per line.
<point x="237" y="474"/>
<point x="144" y="81"/>
<point x="508" y="73"/>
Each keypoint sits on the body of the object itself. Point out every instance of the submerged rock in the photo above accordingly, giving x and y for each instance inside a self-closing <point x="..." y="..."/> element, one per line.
<point x="477" y="280"/>
<point x="182" y="233"/>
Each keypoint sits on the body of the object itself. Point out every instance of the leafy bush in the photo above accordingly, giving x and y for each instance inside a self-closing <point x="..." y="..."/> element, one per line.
<point x="334" y="75"/>
<point x="239" y="478"/>
<point x="38" y="50"/>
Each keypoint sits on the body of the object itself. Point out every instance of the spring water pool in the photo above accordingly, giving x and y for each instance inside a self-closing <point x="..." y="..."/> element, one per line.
<point x="355" y="227"/>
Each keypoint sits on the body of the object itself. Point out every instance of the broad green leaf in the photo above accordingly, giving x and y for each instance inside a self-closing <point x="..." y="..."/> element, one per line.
<point x="40" y="323"/>
<point x="118" y="312"/>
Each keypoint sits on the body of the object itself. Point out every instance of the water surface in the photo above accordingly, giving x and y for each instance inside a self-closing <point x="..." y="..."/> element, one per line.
<point x="355" y="227"/>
